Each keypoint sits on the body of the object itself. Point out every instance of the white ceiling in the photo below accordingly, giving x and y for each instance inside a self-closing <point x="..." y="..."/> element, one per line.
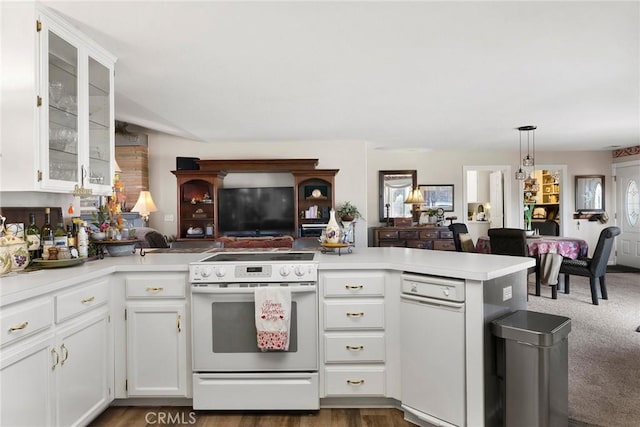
<point x="422" y="75"/>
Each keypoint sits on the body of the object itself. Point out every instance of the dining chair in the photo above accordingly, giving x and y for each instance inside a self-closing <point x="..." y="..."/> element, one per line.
<point x="513" y="242"/>
<point x="546" y="228"/>
<point x="461" y="238"/>
<point x="594" y="267"/>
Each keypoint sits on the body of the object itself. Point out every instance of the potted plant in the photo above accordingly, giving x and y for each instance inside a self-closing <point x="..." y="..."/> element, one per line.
<point x="348" y="212"/>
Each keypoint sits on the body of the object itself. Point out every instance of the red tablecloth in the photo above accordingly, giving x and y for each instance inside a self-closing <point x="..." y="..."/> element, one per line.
<point x="568" y="247"/>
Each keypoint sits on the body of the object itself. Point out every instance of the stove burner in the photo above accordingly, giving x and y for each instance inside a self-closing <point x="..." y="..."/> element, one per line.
<point x="260" y="256"/>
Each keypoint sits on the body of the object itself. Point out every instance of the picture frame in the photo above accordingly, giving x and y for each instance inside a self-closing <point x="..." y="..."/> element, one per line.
<point x="437" y="196"/>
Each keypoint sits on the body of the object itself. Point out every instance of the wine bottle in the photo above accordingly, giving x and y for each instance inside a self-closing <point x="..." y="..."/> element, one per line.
<point x="33" y="237"/>
<point x="60" y="237"/>
<point x="71" y="236"/>
<point x="46" y="234"/>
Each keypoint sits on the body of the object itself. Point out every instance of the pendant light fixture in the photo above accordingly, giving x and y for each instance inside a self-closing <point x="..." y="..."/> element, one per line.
<point x="529" y="160"/>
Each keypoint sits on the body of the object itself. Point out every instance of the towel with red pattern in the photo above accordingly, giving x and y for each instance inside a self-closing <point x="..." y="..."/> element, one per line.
<point x="273" y="316"/>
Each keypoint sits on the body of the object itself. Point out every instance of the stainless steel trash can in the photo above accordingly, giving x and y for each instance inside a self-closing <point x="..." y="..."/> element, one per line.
<point x="532" y="364"/>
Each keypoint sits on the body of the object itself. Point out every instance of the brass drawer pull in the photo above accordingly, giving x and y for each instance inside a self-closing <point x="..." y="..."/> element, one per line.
<point x="155" y="289"/>
<point x="355" y="347"/>
<point x="88" y="300"/>
<point x="65" y="354"/>
<point x="179" y="326"/>
<point x="356" y="382"/>
<point x="57" y="360"/>
<point x="21" y="326"/>
<point x="352" y="314"/>
<point x="353" y="286"/>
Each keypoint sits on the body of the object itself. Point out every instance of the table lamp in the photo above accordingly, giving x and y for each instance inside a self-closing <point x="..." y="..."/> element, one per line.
<point x="144" y="206"/>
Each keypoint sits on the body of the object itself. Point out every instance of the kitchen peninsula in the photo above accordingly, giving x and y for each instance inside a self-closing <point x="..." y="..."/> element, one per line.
<point x="74" y="317"/>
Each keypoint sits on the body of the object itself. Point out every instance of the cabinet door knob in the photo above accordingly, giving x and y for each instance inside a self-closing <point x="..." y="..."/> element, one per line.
<point x="21" y="326"/>
<point x="179" y="326"/>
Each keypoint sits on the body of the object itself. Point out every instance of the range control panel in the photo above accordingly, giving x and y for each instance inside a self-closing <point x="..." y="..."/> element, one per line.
<point x="280" y="272"/>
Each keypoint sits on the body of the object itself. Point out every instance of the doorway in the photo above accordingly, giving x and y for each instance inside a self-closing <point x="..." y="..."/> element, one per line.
<point x="484" y="202"/>
<point x="627" y="186"/>
<point x="547" y="190"/>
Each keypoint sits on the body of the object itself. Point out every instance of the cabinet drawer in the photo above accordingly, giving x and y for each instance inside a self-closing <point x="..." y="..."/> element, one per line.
<point x="388" y="235"/>
<point x="392" y="244"/>
<point x="413" y="234"/>
<point x="81" y="299"/>
<point x="429" y="234"/>
<point x="354" y="382"/>
<point x="354" y="348"/>
<point x="445" y="234"/>
<point x="357" y="284"/>
<point x="444" y="245"/>
<point x="157" y="286"/>
<point x="25" y="319"/>
<point x="354" y="315"/>
<point x="420" y="244"/>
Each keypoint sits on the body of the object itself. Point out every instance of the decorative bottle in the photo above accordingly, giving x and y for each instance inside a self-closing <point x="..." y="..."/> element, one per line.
<point x="332" y="232"/>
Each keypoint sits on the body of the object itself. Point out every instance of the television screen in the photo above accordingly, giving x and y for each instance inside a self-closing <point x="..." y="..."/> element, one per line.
<point x="265" y="211"/>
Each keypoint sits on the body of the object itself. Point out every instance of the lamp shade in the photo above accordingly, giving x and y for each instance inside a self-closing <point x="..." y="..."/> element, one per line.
<point x="415" y="197"/>
<point x="144" y="206"/>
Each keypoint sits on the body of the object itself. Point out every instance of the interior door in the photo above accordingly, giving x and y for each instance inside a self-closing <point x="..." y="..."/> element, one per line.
<point x="496" y="199"/>
<point x="628" y="213"/>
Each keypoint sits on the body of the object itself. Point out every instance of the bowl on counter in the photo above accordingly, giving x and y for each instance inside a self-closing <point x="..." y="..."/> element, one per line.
<point x="99" y="235"/>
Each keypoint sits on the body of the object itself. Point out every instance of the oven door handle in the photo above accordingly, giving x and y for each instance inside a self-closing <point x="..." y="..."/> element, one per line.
<point x="214" y="290"/>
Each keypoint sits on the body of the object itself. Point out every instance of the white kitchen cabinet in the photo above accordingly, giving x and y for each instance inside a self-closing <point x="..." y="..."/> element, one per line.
<point x="57" y="104"/>
<point x="27" y="395"/>
<point x="84" y="373"/>
<point x="60" y="373"/>
<point x="157" y="331"/>
<point x="353" y="343"/>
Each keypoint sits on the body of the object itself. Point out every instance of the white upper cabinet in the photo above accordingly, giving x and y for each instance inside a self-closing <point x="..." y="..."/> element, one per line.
<point x="57" y="105"/>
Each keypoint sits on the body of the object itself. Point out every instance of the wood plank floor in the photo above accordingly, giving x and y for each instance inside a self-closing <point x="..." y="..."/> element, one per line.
<point x="138" y="416"/>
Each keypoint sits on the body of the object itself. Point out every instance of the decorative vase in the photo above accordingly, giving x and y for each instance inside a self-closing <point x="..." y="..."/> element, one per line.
<point x="333" y="229"/>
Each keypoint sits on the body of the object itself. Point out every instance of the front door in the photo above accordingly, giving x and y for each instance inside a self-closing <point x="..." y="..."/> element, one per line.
<point x="628" y="213"/>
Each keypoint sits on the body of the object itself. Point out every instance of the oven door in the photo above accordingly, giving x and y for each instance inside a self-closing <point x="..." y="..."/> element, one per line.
<point x="224" y="331"/>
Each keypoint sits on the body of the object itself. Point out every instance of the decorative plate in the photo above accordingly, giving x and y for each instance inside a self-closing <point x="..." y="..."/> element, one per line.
<point x="58" y="263"/>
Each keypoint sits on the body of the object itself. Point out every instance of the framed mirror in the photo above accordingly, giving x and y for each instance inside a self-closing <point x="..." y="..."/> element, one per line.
<point x="394" y="187"/>
<point x="589" y="193"/>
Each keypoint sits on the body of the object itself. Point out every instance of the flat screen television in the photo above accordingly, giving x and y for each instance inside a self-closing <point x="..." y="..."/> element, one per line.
<point x="264" y="211"/>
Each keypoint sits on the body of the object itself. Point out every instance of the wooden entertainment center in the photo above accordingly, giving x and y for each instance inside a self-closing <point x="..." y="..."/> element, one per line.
<point x="198" y="192"/>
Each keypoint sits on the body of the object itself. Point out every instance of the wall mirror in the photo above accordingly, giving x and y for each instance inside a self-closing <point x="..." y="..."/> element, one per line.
<point x="590" y="193"/>
<point x="394" y="187"/>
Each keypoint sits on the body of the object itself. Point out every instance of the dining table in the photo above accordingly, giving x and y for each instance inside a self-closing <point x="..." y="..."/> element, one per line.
<point x="549" y="251"/>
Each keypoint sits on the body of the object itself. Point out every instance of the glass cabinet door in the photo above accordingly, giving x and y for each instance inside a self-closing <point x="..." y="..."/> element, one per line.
<point x="99" y="124"/>
<point x="63" y="110"/>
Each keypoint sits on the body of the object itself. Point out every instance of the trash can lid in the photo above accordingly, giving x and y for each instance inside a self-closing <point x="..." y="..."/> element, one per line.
<point x="541" y="329"/>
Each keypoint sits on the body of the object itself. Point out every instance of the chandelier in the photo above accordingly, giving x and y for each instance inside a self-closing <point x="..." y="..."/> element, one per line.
<point x="529" y="160"/>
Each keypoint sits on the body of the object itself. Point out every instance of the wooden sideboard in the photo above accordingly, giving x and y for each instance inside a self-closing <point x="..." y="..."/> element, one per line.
<point x="419" y="237"/>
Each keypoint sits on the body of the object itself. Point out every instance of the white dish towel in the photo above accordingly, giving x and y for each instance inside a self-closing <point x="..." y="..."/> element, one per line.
<point x="273" y="317"/>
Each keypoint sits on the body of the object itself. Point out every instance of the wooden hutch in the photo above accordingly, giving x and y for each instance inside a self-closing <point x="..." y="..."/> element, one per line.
<point x="198" y="192"/>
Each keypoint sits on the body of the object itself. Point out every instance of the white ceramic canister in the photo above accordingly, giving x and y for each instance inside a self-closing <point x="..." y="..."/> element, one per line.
<point x="332" y="231"/>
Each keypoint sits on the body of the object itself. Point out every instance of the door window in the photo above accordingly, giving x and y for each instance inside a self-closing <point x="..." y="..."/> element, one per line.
<point x="632" y="203"/>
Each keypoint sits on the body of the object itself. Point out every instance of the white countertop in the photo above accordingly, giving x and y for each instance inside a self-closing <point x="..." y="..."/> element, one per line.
<point x="18" y="286"/>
